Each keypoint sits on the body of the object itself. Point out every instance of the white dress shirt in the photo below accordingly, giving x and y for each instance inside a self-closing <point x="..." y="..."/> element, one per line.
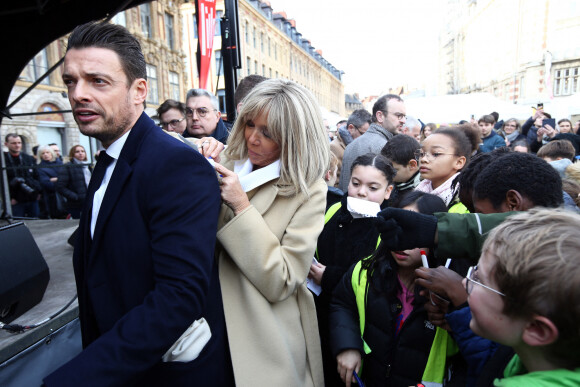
<point x="114" y="150"/>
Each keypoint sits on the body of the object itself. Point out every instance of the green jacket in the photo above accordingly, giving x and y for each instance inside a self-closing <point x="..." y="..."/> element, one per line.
<point x="462" y="235"/>
<point x="516" y="375"/>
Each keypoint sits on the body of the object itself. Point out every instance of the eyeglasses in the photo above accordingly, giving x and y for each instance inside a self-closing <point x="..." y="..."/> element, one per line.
<point x="201" y="112"/>
<point x="471" y="279"/>
<point x="173" y="123"/>
<point x="419" y="154"/>
<point x="400" y="116"/>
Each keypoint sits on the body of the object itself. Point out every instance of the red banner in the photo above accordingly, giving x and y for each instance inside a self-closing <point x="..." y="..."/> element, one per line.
<point x="206" y="28"/>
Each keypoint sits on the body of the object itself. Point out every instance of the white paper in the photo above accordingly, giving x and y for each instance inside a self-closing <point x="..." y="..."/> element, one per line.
<point x="359" y="208"/>
<point x="314" y="288"/>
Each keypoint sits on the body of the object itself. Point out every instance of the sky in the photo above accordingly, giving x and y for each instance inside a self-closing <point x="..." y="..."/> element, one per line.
<point x="379" y="44"/>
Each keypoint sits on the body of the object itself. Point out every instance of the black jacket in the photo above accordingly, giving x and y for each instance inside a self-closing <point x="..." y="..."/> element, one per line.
<point x="71" y="184"/>
<point x="394" y="360"/>
<point x="16" y="168"/>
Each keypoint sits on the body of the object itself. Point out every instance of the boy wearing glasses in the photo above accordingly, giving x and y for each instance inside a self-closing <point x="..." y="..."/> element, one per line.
<point x="525" y="293"/>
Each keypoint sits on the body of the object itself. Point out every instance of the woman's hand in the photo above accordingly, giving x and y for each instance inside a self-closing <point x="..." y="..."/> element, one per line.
<point x="316" y="272"/>
<point x="348" y="361"/>
<point x="210" y="147"/>
<point x="233" y="194"/>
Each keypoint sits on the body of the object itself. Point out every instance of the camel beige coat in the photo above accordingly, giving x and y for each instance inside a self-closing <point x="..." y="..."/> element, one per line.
<point x="265" y="254"/>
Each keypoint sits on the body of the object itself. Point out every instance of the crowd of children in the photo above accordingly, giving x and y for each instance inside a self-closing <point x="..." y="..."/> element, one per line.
<point x="406" y="298"/>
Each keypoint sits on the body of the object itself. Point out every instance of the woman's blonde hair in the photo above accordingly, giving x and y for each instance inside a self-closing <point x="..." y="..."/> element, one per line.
<point x="41" y="150"/>
<point x="295" y="124"/>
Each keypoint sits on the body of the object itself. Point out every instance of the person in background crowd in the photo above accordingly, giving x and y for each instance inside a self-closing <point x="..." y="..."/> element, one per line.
<point x="56" y="150"/>
<point x="73" y="180"/>
<point x="412" y="128"/>
<point x="565" y="125"/>
<point x="520" y="146"/>
<point x="559" y="154"/>
<point x="273" y="196"/>
<point x="244" y="87"/>
<point x="532" y="124"/>
<point x="427" y="130"/>
<point x="389" y="117"/>
<point x="498" y="124"/>
<point x="511" y="131"/>
<point x="172" y="116"/>
<point x="23" y="182"/>
<point x="491" y="139"/>
<point x="356" y="125"/>
<point x="334" y="194"/>
<point x="48" y="177"/>
<point x="402" y="153"/>
<point x="202" y="111"/>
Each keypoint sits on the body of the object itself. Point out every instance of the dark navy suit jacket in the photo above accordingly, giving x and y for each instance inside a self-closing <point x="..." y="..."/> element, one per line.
<point x="149" y="271"/>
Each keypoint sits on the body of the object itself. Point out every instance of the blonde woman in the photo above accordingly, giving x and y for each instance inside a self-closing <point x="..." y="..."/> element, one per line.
<point x="273" y="207"/>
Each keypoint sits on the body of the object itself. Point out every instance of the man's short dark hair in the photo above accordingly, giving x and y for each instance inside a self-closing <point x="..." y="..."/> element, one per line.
<point x="558" y="148"/>
<point x="11" y="135"/>
<point x="245" y="86"/>
<point x="401" y="149"/>
<point x="381" y="104"/>
<point x="525" y="173"/>
<point x="488" y="119"/>
<point x="115" y="38"/>
<point x="495" y="115"/>
<point x="358" y="118"/>
<point x="170" y="104"/>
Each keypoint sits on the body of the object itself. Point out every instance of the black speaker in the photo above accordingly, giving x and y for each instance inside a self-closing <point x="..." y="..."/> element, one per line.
<point x="24" y="273"/>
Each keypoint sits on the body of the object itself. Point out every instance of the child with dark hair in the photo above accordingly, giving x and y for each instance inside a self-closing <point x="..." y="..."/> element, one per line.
<point x="401" y="151"/>
<point x="442" y="156"/>
<point x="559" y="154"/>
<point x="491" y="140"/>
<point x="377" y="314"/>
<point x="517" y="182"/>
<point x="346" y="239"/>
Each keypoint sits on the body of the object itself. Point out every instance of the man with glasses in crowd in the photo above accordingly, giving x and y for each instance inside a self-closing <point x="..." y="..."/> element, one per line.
<point x="389" y="116"/>
<point x="203" y="116"/>
<point x="172" y="116"/>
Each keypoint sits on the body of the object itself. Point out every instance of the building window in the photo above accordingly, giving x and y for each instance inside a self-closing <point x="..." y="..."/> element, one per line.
<point x="145" y="12"/>
<point x="262" y="42"/>
<point x="221" y="95"/>
<point x="219" y="64"/>
<point x="276" y="74"/>
<point x="249" y="65"/>
<point x="195" y="26"/>
<point x="269" y="48"/>
<point x="566" y="81"/>
<point x="218" y="23"/>
<point x="521" y="88"/>
<point x="255" y="37"/>
<point x="169" y="31"/>
<point x="263" y="70"/>
<point x="255" y="67"/>
<point x="174" y="92"/>
<point x="270" y="72"/>
<point x="275" y="50"/>
<point x="153" y="95"/>
<point x="120" y="19"/>
<point x="36" y="68"/>
<point x="247" y="33"/>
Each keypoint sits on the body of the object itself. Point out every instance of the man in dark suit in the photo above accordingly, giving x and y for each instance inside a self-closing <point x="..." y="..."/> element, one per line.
<point x="144" y="257"/>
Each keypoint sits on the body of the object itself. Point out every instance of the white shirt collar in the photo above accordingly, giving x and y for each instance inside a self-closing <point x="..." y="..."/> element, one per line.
<point x="114" y="150"/>
<point x="250" y="179"/>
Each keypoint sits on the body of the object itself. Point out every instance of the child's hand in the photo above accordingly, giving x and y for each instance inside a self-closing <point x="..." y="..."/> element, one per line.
<point x="316" y="272"/>
<point x="348" y="361"/>
<point x="442" y="281"/>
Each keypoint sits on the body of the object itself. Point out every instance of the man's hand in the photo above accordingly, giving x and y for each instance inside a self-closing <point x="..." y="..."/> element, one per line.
<point x="347" y="362"/>
<point x="403" y="229"/>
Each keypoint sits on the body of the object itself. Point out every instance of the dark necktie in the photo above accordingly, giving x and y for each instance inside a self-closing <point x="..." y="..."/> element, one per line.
<point x="98" y="174"/>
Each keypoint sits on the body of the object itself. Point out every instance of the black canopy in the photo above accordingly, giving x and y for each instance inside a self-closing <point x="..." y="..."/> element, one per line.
<point x="27" y="26"/>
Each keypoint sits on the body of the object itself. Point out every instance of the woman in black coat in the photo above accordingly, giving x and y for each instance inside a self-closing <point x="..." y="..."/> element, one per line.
<point x="51" y="202"/>
<point x="73" y="180"/>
